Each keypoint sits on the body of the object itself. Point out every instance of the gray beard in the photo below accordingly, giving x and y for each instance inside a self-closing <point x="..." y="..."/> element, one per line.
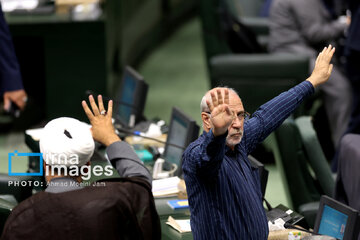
<point x="231" y="143"/>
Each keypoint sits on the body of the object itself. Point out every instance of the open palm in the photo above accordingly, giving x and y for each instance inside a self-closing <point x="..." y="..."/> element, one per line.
<point x="221" y="115"/>
<point x="323" y="68"/>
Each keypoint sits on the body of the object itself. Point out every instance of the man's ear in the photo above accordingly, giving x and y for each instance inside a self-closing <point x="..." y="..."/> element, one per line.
<point x="206" y="121"/>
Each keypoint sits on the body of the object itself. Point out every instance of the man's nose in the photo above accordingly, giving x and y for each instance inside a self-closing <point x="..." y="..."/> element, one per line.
<point x="237" y="123"/>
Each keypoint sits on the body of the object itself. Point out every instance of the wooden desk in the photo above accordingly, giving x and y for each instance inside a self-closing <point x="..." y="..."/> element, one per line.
<point x="146" y="142"/>
<point x="283" y="234"/>
<point x="168" y="233"/>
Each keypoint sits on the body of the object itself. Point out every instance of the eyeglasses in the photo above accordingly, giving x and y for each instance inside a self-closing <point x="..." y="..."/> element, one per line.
<point x="241" y="115"/>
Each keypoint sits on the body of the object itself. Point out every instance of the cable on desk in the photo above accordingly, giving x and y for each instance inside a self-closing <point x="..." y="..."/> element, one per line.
<point x="290" y="226"/>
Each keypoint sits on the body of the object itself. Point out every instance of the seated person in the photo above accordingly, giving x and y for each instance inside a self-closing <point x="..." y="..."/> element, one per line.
<point x="121" y="209"/>
<point x="303" y="27"/>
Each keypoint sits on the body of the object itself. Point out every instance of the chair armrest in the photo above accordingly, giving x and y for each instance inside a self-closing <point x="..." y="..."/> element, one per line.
<point x="259" y="25"/>
<point x="7" y="199"/>
<point x="309" y="211"/>
<point x="5" y="204"/>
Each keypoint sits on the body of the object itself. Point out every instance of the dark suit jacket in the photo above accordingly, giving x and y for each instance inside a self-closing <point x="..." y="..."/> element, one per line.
<point x="10" y="77"/>
<point x="123" y="209"/>
<point x="302" y="26"/>
<point x="347" y="188"/>
<point x="353" y="38"/>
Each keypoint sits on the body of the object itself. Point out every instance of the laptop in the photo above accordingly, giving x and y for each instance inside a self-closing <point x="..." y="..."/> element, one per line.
<point x="337" y="220"/>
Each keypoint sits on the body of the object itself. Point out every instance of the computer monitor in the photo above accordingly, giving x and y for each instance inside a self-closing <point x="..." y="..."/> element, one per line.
<point x="130" y="99"/>
<point x="336" y="220"/>
<point x="182" y="131"/>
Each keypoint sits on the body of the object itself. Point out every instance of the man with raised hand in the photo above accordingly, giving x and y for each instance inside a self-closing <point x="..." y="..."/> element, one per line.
<point x="67" y="144"/>
<point x="120" y="208"/>
<point x="224" y="190"/>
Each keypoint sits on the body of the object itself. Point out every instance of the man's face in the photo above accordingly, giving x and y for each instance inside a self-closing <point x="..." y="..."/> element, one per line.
<point x="235" y="130"/>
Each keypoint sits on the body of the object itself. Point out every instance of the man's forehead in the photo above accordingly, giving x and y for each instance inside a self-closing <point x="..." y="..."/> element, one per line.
<point x="236" y="106"/>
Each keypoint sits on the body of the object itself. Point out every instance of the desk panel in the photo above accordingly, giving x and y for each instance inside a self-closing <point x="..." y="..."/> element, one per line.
<point x="164" y="211"/>
<point x="69" y="57"/>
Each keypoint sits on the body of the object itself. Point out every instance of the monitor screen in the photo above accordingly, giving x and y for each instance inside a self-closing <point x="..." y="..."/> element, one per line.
<point x="333" y="223"/>
<point x="182" y="131"/>
<point x="127" y="96"/>
<point x="178" y="137"/>
<point x="131" y="97"/>
<point x="336" y="219"/>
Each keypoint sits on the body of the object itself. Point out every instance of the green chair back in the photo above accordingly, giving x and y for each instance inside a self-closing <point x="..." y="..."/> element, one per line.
<point x="293" y="164"/>
<point x="214" y="40"/>
<point x="315" y="155"/>
<point x="258" y="77"/>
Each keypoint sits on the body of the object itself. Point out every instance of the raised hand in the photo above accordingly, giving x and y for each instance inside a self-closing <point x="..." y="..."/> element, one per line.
<point x="323" y="68"/>
<point x="221" y="115"/>
<point x="102" y="128"/>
